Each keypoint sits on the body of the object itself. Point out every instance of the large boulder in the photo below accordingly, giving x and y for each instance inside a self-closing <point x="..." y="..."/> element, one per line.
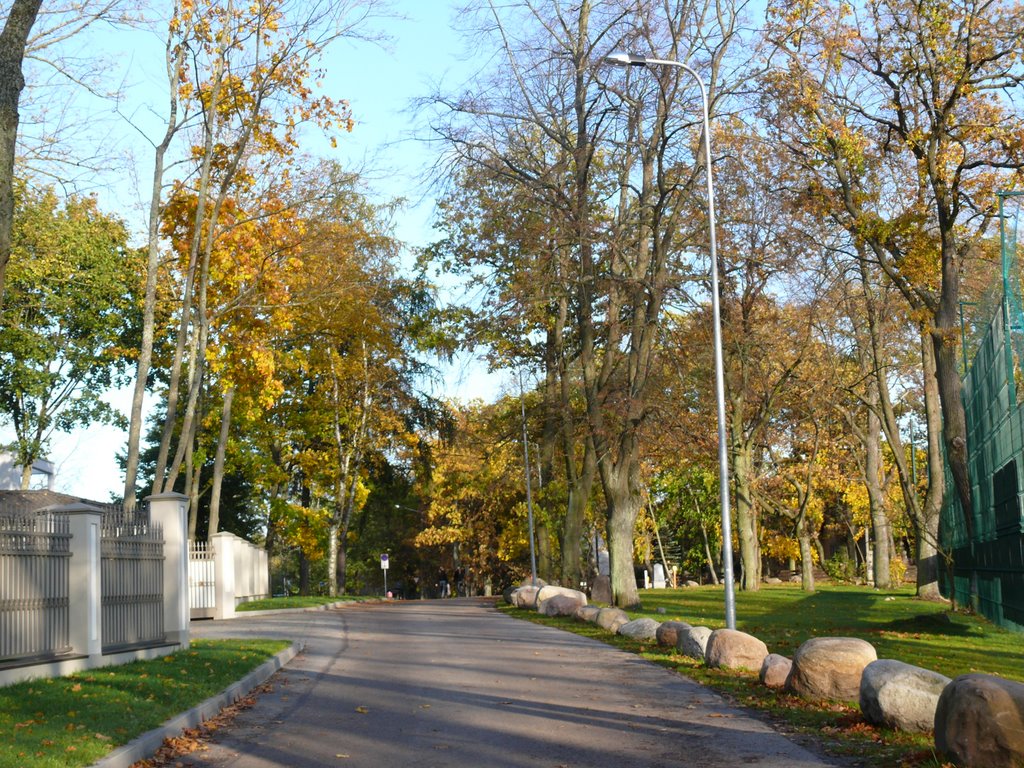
<point x="693" y="642"/>
<point x="548" y="592"/>
<point x="612" y="618"/>
<point x="830" y="668"/>
<point x="733" y="649"/>
<point x="900" y="695"/>
<point x="587" y="613"/>
<point x="979" y="722"/>
<point x="525" y="597"/>
<point x="559" y="605"/>
<point x="668" y="632"/>
<point x="640" y="629"/>
<point x="775" y="670"/>
<point x="601" y="590"/>
<point x="529" y="582"/>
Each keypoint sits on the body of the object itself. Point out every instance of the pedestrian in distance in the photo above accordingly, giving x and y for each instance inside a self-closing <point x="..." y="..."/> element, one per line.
<point x="442" y="583"/>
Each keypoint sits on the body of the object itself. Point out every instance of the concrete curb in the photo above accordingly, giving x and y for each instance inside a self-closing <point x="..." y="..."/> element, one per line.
<point x="324" y="607"/>
<point x="147" y="744"/>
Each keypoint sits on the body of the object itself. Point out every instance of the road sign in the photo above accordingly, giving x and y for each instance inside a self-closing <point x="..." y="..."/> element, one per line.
<point x="384" y="562"/>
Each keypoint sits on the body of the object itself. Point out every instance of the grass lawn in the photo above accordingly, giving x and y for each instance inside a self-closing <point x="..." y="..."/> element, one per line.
<point x="897" y="624"/>
<point x="296" y="601"/>
<point x="75" y="720"/>
<point x="904" y="628"/>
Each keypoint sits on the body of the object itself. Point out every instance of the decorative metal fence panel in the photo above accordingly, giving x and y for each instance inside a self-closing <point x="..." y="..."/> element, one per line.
<point x="132" y="578"/>
<point x="202" y="583"/>
<point x="34" y="566"/>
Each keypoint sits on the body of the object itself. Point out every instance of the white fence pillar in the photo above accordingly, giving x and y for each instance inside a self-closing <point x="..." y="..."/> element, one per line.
<point x="169" y="510"/>
<point x="263" y="574"/>
<point x="85" y="596"/>
<point x="224" y="574"/>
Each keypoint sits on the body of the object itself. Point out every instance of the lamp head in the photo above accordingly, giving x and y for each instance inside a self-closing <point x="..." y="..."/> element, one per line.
<point x="626" y="60"/>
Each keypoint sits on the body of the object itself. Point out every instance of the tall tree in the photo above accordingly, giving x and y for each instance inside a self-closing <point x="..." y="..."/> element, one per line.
<point x="620" y="276"/>
<point x="13" y="39"/>
<point x="896" y="112"/>
<point x="66" y="328"/>
<point x="250" y="78"/>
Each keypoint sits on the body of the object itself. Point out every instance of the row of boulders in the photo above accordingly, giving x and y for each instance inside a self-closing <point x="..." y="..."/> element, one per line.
<point x="978" y="719"/>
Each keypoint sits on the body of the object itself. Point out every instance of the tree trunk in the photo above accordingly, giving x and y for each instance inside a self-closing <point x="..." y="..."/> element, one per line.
<point x="545" y="560"/>
<point x="572" y="535"/>
<point x="954" y="423"/>
<point x="13" y="40"/>
<point x="873" y="483"/>
<point x="303" y="573"/>
<point x="332" y="556"/>
<point x="806" y="557"/>
<point x="161" y="482"/>
<point x="623" y="508"/>
<point x="927" y="529"/>
<point x="707" y="554"/>
<point x="218" y="462"/>
<point x="746" y="514"/>
<point x="145" y="360"/>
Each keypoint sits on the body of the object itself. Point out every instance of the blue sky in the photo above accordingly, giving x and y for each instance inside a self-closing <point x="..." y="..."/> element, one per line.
<point x="381" y="82"/>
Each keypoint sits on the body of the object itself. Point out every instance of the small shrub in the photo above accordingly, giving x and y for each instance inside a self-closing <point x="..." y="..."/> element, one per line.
<point x="840" y="569"/>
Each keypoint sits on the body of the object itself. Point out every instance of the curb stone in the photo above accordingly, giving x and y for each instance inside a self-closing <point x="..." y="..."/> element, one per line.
<point x="324" y="607"/>
<point x="146" y="745"/>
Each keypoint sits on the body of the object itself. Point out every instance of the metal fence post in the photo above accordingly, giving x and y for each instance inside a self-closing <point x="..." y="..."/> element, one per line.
<point x="224" y="574"/>
<point x="85" y="596"/>
<point x="169" y="510"/>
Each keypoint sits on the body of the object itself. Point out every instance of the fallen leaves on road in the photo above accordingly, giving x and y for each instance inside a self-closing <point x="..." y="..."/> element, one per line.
<point x="362" y="710"/>
<point x="195" y="739"/>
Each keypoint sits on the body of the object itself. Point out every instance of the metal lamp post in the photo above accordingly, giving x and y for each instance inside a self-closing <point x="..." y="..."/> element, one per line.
<point x="630" y="60"/>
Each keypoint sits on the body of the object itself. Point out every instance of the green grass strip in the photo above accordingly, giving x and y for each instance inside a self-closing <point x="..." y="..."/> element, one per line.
<point x="77" y="719"/>
<point x="273" y="603"/>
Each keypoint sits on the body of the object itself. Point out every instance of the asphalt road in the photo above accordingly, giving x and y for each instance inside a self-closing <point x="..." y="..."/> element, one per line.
<point x="456" y="683"/>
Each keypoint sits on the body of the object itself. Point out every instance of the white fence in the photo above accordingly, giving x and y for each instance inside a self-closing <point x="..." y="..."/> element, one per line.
<point x="82" y="589"/>
<point x="223" y="573"/>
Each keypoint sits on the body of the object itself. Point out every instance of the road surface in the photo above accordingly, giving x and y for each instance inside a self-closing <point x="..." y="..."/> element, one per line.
<point x="447" y="683"/>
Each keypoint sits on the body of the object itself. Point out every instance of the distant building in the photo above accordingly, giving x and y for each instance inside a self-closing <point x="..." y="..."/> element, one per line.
<point x="44" y="474"/>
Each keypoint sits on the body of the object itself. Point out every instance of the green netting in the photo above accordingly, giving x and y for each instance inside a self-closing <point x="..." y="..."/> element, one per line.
<point x="993" y="393"/>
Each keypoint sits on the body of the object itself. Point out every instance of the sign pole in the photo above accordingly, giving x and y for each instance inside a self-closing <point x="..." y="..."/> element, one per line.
<point x="384" y="567"/>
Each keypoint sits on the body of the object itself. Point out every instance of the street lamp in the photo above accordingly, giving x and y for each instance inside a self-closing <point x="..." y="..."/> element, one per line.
<point x="630" y="60"/>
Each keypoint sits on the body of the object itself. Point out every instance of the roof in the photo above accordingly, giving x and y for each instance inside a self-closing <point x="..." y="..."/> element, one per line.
<point x="23" y="502"/>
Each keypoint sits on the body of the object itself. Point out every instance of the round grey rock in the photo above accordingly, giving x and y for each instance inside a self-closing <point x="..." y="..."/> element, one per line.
<point x="979" y="722"/>
<point x="830" y="668"/>
<point x="900" y="695"/>
<point x="692" y="642"/>
<point x="587" y="613"/>
<point x="612" y="618"/>
<point x="559" y="605"/>
<point x="775" y="670"/>
<point x="547" y="592"/>
<point x="732" y="649"/>
<point x="668" y="632"/>
<point x="640" y="629"/>
<point x="525" y="597"/>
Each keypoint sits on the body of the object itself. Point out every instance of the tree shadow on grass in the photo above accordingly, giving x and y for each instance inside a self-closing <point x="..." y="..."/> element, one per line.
<point x="928" y="623"/>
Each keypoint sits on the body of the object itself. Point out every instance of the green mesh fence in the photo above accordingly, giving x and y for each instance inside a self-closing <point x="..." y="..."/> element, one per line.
<point x="992" y="562"/>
